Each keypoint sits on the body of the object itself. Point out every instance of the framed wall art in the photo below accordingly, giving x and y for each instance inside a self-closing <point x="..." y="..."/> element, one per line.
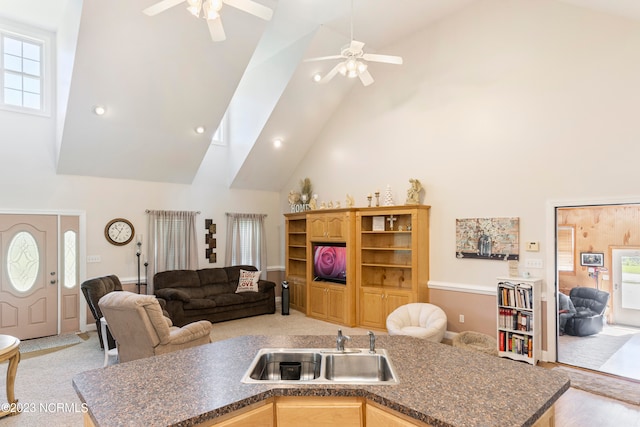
<point x="488" y="238"/>
<point x="591" y="259"/>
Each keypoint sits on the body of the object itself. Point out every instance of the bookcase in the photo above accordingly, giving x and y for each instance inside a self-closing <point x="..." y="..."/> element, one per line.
<point x="392" y="260"/>
<point x="296" y="259"/>
<point x="518" y="318"/>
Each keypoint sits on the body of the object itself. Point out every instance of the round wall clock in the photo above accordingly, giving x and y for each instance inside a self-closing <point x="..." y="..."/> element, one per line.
<point x="119" y="231"/>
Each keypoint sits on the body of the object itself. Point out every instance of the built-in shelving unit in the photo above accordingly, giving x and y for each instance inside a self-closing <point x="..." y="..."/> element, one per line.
<point x="296" y="259"/>
<point x="392" y="260"/>
<point x="519" y="322"/>
<point x="387" y="262"/>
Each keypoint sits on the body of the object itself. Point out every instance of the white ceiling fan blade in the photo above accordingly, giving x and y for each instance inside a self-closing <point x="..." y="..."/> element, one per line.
<point x="249" y="6"/>
<point x="331" y="74"/>
<point x="216" y="29"/>
<point x="161" y="7"/>
<point x="365" y="78"/>
<point x="389" y="59"/>
<point x="322" y="58"/>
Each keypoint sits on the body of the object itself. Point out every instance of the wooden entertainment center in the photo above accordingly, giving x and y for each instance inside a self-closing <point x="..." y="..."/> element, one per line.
<point x="387" y="262"/>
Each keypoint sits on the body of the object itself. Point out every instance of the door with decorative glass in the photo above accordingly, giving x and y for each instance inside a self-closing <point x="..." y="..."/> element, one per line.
<point x="626" y="286"/>
<point x="28" y="275"/>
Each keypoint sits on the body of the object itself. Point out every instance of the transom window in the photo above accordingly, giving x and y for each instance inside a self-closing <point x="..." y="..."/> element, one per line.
<point x="25" y="68"/>
<point x="22" y="72"/>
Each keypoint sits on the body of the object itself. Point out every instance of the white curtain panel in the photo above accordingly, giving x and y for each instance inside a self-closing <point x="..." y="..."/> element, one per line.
<point x="172" y="244"/>
<point x="246" y="241"/>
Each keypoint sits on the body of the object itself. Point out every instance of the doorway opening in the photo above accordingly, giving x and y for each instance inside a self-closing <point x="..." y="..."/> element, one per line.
<point x="598" y="248"/>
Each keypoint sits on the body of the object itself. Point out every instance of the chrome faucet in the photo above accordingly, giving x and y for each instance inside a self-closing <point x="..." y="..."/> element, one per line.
<point x="372" y="342"/>
<point x="341" y="340"/>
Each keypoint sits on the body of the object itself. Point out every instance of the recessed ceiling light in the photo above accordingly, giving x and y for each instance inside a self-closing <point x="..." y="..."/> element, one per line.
<point x="99" y="110"/>
<point x="277" y="142"/>
<point x="200" y="129"/>
<point x="317" y="77"/>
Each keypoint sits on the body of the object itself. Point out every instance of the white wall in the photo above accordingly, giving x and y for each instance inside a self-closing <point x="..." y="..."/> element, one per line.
<point x="498" y="110"/>
<point x="29" y="183"/>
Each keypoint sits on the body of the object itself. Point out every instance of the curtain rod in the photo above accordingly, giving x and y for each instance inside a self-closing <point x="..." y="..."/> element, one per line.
<point x="149" y="211"/>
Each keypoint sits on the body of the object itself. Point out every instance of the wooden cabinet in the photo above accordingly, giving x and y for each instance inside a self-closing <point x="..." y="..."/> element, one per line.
<point x="333" y="302"/>
<point x="328" y="302"/>
<point x="382" y="417"/>
<point x="387" y="262"/>
<point x="328" y="226"/>
<point x="375" y="304"/>
<point x="296" y="259"/>
<point x="519" y="323"/>
<point x="260" y="416"/>
<point x="319" y="412"/>
<point x="392" y="260"/>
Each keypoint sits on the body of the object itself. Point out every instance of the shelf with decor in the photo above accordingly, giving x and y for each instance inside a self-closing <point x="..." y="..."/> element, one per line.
<point x="392" y="253"/>
<point x="296" y="259"/>
<point x="518" y="318"/>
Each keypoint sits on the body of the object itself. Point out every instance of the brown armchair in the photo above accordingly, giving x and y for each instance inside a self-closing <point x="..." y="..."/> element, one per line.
<point x="93" y="290"/>
<point x="141" y="330"/>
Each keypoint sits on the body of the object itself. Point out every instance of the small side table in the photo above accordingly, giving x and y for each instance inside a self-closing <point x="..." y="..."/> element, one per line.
<point x="105" y="342"/>
<point x="10" y="350"/>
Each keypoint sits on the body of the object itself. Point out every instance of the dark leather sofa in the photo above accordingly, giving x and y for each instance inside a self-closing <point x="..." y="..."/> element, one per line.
<point x="210" y="294"/>
<point x="93" y="290"/>
<point x="590" y="305"/>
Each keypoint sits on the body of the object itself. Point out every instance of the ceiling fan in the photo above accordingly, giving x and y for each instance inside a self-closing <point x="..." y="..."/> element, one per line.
<point x="210" y="10"/>
<point x="354" y="64"/>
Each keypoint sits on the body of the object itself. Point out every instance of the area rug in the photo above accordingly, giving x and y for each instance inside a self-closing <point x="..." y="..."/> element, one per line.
<point x="614" y="388"/>
<point x="48" y="343"/>
<point x="589" y="352"/>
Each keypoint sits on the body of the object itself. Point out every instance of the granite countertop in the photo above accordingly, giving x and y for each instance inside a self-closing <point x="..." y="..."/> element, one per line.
<point x="439" y="384"/>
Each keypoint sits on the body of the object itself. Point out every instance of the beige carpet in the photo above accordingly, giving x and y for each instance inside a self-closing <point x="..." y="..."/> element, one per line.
<point x="619" y="389"/>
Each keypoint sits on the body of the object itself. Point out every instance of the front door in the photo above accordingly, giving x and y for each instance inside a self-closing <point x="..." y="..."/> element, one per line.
<point x="28" y="275"/>
<point x="626" y="287"/>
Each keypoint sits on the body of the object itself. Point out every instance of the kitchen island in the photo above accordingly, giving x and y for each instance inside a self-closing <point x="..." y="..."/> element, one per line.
<point x="438" y="385"/>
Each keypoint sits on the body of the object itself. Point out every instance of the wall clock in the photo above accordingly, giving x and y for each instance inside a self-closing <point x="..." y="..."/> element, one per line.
<point x="119" y="231"/>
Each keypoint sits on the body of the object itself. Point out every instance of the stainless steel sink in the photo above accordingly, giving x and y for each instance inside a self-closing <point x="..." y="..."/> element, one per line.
<point x="359" y="367"/>
<point x="285" y="365"/>
<point x="320" y="366"/>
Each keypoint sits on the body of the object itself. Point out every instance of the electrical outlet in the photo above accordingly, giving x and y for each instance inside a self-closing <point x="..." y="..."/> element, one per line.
<point x="94" y="258"/>
<point x="462" y="318"/>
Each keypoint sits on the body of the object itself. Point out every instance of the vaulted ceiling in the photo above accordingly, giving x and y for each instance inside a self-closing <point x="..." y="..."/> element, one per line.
<point x="160" y="77"/>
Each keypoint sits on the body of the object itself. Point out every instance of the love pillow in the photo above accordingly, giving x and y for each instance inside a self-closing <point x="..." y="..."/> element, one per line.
<point x="248" y="281"/>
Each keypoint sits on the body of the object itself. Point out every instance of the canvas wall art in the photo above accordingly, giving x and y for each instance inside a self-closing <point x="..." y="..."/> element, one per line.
<point x="488" y="238"/>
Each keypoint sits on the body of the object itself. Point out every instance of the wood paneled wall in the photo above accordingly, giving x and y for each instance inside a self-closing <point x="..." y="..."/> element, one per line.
<point x="598" y="229"/>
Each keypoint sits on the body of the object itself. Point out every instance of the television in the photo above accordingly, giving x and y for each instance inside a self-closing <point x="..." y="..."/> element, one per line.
<point x="330" y="262"/>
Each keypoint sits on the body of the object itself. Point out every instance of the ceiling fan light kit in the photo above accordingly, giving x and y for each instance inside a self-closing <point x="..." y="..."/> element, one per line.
<point x="354" y="64"/>
<point x="210" y="11"/>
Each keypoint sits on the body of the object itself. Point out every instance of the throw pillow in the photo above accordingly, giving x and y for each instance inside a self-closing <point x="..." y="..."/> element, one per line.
<point x="248" y="281"/>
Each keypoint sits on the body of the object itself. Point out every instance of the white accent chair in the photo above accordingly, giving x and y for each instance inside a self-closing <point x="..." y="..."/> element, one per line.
<point x="420" y="320"/>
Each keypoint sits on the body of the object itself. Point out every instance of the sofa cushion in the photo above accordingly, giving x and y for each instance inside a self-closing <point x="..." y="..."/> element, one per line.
<point x="200" y="303"/>
<point x="213" y="276"/>
<point x="221" y="288"/>
<point x="173" y="294"/>
<point x="176" y="279"/>
<point x="227" y="299"/>
<point x="233" y="272"/>
<point x="248" y="281"/>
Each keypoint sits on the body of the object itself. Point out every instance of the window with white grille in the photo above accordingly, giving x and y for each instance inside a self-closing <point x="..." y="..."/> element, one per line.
<point x="24" y="68"/>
